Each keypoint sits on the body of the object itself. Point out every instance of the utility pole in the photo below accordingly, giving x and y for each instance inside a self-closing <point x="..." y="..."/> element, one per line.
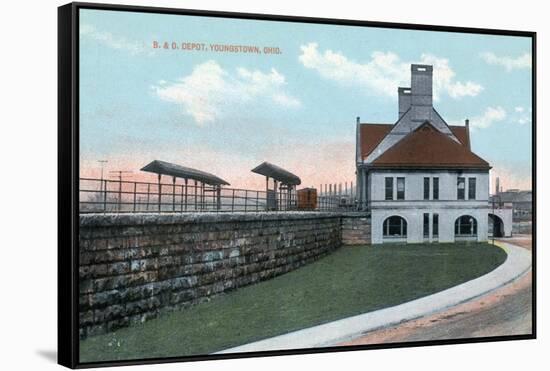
<point x="120" y="174"/>
<point x="102" y="162"/>
<point x="102" y="186"/>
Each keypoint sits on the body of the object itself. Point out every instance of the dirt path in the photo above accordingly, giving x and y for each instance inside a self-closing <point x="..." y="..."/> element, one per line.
<point x="506" y="311"/>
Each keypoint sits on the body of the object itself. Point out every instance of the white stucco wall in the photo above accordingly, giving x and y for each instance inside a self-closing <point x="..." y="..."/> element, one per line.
<point x="415" y="218"/>
<point x="506" y="216"/>
<point x="414" y="206"/>
<point x="414" y="185"/>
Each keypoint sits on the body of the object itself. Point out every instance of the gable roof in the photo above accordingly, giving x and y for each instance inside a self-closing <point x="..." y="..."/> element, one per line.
<point x="427" y="147"/>
<point x="372" y="134"/>
<point x="462" y="134"/>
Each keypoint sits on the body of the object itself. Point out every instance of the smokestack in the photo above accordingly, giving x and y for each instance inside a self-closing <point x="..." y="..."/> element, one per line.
<point x="422" y="91"/>
<point x="404" y="95"/>
<point x="497" y="186"/>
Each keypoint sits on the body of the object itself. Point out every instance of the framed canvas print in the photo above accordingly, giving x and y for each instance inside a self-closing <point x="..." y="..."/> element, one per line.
<point x="236" y="185"/>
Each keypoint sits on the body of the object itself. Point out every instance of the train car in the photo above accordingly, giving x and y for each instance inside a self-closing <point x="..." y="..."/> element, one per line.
<point x="307" y="199"/>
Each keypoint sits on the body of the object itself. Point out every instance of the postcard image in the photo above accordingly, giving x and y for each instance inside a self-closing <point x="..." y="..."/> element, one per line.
<point x="250" y="185"/>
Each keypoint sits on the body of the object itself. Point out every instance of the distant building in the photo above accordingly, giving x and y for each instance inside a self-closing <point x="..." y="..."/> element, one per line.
<point x="419" y="178"/>
<point x="521" y="201"/>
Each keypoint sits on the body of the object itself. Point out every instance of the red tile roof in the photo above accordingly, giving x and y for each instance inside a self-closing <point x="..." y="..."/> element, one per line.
<point x="462" y="134"/>
<point x="428" y="147"/>
<point x="371" y="135"/>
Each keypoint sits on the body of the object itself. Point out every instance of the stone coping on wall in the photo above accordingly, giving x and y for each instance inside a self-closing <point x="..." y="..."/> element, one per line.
<point x="110" y="219"/>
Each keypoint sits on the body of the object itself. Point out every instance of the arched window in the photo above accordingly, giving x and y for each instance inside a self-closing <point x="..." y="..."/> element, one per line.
<point x="395" y="227"/>
<point x="466" y="226"/>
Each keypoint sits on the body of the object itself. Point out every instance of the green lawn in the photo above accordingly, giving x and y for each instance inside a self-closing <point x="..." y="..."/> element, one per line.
<point x="350" y="281"/>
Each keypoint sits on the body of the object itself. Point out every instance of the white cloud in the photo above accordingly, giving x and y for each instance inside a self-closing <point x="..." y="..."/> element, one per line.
<point x="384" y="72"/>
<point x="210" y="92"/>
<point x="519" y="115"/>
<point x="510" y="63"/>
<point x="114" y="42"/>
<point x="490" y="116"/>
<point x="522" y="115"/>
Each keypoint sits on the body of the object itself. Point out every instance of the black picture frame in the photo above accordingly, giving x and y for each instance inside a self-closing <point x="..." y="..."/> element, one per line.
<point x="68" y="178"/>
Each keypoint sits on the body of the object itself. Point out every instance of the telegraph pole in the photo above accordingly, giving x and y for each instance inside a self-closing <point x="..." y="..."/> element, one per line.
<point x="102" y="162"/>
<point x="120" y="174"/>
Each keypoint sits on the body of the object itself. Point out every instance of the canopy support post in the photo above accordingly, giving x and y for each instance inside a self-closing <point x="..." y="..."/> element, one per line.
<point x="185" y="194"/>
<point x="160" y="193"/>
<point x="276" y="195"/>
<point x="148" y="194"/>
<point x="202" y="195"/>
<point x="266" y="193"/>
<point x="219" y="196"/>
<point x="173" y="193"/>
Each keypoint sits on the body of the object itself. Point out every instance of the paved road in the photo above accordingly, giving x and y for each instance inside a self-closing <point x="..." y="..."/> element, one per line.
<point x="506" y="311"/>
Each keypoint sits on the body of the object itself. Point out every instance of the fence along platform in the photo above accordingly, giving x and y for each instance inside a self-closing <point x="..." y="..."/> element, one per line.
<point x="194" y="190"/>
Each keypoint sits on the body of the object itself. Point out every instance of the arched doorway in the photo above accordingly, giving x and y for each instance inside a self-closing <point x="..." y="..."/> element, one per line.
<point x="496" y="226"/>
<point x="394" y="228"/>
<point x="466" y="228"/>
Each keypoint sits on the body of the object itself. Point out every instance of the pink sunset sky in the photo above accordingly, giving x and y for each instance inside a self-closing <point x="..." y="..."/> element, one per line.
<point x="327" y="163"/>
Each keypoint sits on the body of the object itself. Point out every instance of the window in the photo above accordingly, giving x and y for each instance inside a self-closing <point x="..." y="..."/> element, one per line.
<point x="435" y="227"/>
<point x="389" y="188"/>
<point x="426" y="225"/>
<point x="436" y="188"/>
<point x="471" y="188"/>
<point x="395" y="226"/>
<point x="460" y="185"/>
<point x="400" y="188"/>
<point x="466" y="226"/>
<point x="426" y="188"/>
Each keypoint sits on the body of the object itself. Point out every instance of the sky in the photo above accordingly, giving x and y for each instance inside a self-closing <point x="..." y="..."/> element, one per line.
<point x="291" y="97"/>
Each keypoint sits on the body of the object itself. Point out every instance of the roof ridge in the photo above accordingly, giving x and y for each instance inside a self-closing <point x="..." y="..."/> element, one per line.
<point x="406" y="141"/>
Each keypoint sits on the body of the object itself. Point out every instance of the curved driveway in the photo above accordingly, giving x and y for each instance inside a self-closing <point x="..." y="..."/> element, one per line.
<point x="516" y="265"/>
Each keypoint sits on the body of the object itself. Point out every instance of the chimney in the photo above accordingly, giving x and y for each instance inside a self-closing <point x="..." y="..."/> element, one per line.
<point x="497" y="188"/>
<point x="421" y="89"/>
<point x="404" y="95"/>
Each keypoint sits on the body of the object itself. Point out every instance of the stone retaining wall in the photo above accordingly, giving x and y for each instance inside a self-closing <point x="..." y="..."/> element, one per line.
<point x="356" y="229"/>
<point x="133" y="267"/>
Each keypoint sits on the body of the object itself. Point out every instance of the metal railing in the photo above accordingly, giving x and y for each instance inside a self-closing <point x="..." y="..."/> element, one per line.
<point x="123" y="196"/>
